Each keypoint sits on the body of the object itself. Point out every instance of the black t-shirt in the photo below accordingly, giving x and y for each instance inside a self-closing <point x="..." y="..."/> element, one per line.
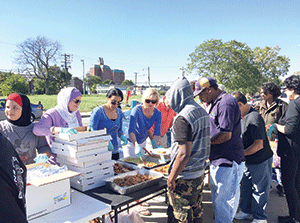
<point x="253" y="128"/>
<point x="183" y="130"/>
<point x="12" y="184"/>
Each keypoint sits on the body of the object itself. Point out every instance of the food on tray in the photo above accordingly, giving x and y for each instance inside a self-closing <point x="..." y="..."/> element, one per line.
<point x="132" y="180"/>
<point x="136" y="160"/>
<point x="163" y="169"/>
<point x="150" y="164"/>
<point x="161" y="151"/>
<point x="119" y="168"/>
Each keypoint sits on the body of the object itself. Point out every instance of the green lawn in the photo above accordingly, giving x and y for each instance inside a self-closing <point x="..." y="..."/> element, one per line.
<point x="88" y="102"/>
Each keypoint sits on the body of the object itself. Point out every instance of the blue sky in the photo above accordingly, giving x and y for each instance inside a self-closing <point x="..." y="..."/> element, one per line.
<point x="133" y="35"/>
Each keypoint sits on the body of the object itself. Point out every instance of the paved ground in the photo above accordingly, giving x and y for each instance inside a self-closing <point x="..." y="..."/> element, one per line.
<point x="277" y="206"/>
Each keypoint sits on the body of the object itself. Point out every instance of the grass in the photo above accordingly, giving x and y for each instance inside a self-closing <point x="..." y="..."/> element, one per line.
<point x="88" y="102"/>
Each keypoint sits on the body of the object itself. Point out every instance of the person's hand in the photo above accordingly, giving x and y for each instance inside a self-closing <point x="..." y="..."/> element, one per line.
<point x="267" y="127"/>
<point x="139" y="151"/>
<point x="41" y="158"/>
<point x="70" y="131"/>
<point x="124" y="139"/>
<point x="272" y="129"/>
<point x="154" y="146"/>
<point x="110" y="146"/>
<point x="171" y="185"/>
<point x="90" y="129"/>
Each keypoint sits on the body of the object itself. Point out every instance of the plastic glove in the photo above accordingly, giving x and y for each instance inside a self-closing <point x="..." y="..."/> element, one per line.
<point x="110" y="146"/>
<point x="90" y="129"/>
<point x="41" y="158"/>
<point x="124" y="139"/>
<point x="139" y="151"/>
<point x="154" y="146"/>
<point x="272" y="129"/>
<point x="70" y="131"/>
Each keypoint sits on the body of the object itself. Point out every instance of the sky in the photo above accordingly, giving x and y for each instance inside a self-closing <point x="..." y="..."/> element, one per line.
<point x="133" y="35"/>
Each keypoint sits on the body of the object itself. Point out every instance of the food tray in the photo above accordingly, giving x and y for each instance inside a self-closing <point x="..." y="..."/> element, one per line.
<point x="137" y="161"/>
<point x="128" y="166"/>
<point x="127" y="190"/>
<point x="164" y="166"/>
<point x="161" y="151"/>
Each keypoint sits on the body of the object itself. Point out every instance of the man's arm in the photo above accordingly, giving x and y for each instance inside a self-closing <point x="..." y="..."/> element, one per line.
<point x="220" y="138"/>
<point x="183" y="156"/>
<point x="254" y="147"/>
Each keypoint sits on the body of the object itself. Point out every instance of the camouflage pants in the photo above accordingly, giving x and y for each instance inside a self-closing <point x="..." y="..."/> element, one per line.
<point x="185" y="202"/>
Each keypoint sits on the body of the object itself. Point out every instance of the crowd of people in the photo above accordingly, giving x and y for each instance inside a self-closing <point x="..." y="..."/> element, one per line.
<point x="242" y="146"/>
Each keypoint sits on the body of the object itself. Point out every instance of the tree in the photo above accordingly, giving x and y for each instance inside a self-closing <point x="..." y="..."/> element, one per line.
<point x="36" y="56"/>
<point x="57" y="82"/>
<point x="92" y="82"/>
<point x="14" y="83"/>
<point x="108" y="82"/>
<point x="270" y="64"/>
<point x="230" y="63"/>
<point x="128" y="82"/>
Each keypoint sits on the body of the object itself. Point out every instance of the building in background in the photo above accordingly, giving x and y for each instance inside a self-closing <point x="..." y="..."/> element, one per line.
<point x="105" y="73"/>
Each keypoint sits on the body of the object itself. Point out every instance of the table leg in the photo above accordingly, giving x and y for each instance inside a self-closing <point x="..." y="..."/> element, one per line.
<point x="116" y="216"/>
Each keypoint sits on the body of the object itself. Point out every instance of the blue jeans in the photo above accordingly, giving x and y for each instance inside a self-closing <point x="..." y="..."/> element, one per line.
<point x="255" y="188"/>
<point x="225" y="190"/>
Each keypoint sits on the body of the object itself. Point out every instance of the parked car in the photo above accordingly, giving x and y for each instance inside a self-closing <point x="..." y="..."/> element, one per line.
<point x="36" y="113"/>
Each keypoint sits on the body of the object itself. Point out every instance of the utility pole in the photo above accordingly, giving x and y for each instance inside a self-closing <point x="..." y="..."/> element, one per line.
<point x="149" y="76"/>
<point x="83" y="84"/>
<point x="182" y="69"/>
<point x="135" y="82"/>
<point x="66" y="62"/>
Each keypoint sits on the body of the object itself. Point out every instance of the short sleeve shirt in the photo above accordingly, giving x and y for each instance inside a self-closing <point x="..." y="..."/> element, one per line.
<point x="182" y="129"/>
<point x="253" y="128"/>
<point x="225" y="116"/>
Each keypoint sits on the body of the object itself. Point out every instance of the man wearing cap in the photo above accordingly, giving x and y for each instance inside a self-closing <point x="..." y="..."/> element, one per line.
<point x="227" y="150"/>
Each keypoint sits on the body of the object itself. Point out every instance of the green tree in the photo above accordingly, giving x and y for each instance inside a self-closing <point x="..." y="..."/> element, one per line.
<point x="230" y="63"/>
<point x="37" y="55"/>
<point x="108" y="82"/>
<point x="57" y="82"/>
<point x="14" y="83"/>
<point x="270" y="64"/>
<point x="128" y="82"/>
<point x="92" y="82"/>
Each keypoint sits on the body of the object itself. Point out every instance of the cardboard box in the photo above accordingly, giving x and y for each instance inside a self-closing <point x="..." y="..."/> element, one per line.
<point x="48" y="194"/>
<point x="86" y="160"/>
<point x="69" y="137"/>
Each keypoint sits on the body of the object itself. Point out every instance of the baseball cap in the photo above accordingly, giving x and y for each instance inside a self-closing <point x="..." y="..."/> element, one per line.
<point x="203" y="83"/>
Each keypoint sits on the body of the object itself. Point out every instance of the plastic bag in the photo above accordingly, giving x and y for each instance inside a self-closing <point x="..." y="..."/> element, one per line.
<point x="124" y="217"/>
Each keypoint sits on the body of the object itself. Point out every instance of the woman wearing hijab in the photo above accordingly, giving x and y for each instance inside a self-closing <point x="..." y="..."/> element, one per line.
<point x="109" y="116"/>
<point x="17" y="128"/>
<point x="64" y="115"/>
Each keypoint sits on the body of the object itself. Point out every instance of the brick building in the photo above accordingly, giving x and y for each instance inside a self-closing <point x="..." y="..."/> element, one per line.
<point x="105" y="73"/>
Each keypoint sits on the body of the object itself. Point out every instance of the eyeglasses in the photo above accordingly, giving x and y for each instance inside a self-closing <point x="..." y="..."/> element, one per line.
<point x="115" y="102"/>
<point x="152" y="101"/>
<point x="76" y="101"/>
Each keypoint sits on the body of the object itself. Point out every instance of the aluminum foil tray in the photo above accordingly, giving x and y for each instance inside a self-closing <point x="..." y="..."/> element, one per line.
<point x="127" y="190"/>
<point x="135" y="160"/>
<point x="128" y="166"/>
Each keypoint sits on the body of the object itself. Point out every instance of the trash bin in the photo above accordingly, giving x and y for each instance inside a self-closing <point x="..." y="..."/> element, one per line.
<point x="133" y="103"/>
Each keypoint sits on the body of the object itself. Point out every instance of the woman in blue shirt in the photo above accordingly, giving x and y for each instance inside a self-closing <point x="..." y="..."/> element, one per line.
<point x="110" y="116"/>
<point x="142" y="118"/>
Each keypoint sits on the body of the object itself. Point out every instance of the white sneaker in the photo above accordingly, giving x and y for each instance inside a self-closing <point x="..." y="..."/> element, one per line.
<point x="242" y="215"/>
<point x="259" y="221"/>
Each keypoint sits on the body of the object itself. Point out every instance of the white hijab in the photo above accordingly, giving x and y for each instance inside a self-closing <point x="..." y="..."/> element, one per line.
<point x="63" y="99"/>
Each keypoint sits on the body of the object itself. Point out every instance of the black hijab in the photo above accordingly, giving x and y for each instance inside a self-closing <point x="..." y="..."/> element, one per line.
<point x="24" y="120"/>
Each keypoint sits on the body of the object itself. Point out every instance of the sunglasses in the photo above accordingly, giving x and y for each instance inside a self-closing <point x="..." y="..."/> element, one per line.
<point x="152" y="101"/>
<point x="114" y="103"/>
<point x="77" y="101"/>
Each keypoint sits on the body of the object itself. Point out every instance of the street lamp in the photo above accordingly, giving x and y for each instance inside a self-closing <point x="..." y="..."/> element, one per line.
<point x="83" y="84"/>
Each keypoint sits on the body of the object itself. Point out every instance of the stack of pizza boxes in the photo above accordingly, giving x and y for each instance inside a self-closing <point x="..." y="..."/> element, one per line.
<point x="86" y="153"/>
